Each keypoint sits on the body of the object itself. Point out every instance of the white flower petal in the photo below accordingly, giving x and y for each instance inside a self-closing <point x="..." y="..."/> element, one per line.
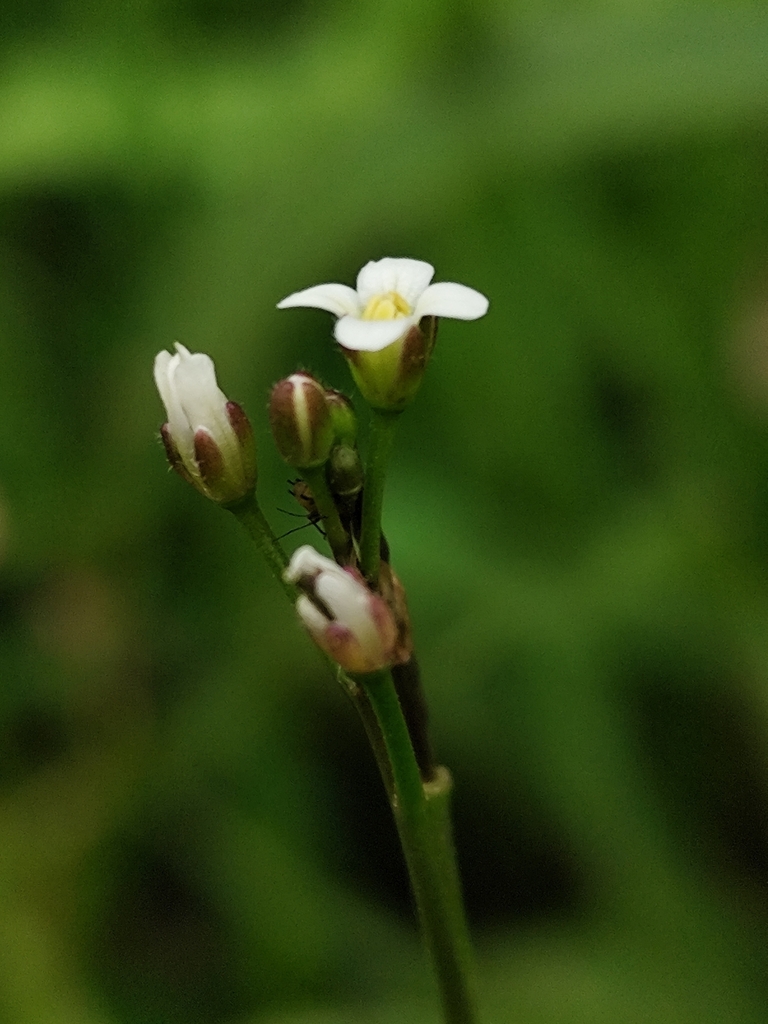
<point x="310" y="615"/>
<point x="166" y="367"/>
<point x="204" y="406"/>
<point x="407" y="277"/>
<point x="163" y="362"/>
<point x="370" y="335"/>
<point x="342" y="595"/>
<point x="306" y="561"/>
<point x="412" y="279"/>
<point x="451" y="300"/>
<point x="351" y="605"/>
<point x="346" y="598"/>
<point x="375" y="278"/>
<point x="338" y="299"/>
<point x="199" y="394"/>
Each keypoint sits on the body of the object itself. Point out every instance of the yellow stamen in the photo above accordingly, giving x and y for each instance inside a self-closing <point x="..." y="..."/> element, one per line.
<point x="389" y="306"/>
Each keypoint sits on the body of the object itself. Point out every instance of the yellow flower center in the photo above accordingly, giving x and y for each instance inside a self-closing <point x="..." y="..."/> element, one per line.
<point x="388" y="306"/>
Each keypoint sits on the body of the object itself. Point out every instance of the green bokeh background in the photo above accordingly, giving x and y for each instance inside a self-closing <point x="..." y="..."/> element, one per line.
<point x="191" y="827"/>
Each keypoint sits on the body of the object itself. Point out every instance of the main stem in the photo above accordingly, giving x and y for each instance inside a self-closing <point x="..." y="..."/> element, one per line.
<point x="421" y="809"/>
<point x="422" y="814"/>
<point x="380" y="443"/>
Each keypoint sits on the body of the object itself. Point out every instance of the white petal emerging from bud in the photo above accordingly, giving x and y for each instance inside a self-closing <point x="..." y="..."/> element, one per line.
<point x="353" y="625"/>
<point x="208" y="439"/>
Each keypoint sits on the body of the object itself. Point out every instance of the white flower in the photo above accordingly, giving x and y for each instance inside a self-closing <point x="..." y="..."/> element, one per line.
<point x="351" y="623"/>
<point x="392" y="296"/>
<point x="207" y="438"/>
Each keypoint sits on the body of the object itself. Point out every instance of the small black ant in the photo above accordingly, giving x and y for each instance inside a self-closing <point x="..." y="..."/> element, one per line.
<point x="301" y="491"/>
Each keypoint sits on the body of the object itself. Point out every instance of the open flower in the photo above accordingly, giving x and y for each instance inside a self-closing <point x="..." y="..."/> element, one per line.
<point x="392" y="296"/>
<point x="208" y="439"/>
<point x="387" y="327"/>
<point x="346" y="619"/>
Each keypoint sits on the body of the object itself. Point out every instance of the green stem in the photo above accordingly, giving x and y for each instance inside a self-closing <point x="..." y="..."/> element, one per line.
<point x="248" y="513"/>
<point x="421" y="809"/>
<point x="380" y="444"/>
<point x="359" y="697"/>
<point x="422" y="814"/>
<point x="337" y="536"/>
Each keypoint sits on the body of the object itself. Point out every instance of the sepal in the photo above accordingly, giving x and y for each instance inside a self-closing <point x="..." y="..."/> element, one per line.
<point x="389" y="378"/>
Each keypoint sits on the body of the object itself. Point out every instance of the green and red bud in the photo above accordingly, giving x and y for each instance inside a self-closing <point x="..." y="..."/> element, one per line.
<point x="301" y="421"/>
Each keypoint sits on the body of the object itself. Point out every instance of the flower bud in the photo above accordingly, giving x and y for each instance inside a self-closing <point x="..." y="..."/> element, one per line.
<point x="345" y="471"/>
<point x="389" y="378"/>
<point x="208" y="439"/>
<point x="347" y="621"/>
<point x="301" y="421"/>
<point x="343" y="416"/>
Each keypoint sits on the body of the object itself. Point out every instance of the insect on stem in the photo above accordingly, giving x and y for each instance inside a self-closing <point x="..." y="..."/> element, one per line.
<point x="301" y="491"/>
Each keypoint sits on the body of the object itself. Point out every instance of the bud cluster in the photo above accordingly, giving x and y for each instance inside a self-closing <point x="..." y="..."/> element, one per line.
<point x="386" y="328"/>
<point x="315" y="430"/>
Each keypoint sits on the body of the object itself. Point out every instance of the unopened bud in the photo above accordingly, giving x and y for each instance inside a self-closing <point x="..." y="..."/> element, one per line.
<point x="346" y="619"/>
<point x="343" y="416"/>
<point x="301" y="421"/>
<point x="208" y="439"/>
<point x="345" y="471"/>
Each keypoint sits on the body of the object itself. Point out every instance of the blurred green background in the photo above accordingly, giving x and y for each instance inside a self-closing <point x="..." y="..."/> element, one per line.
<point x="191" y="826"/>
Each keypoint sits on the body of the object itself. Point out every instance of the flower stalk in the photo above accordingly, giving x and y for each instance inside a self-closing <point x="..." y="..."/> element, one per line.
<point x="339" y="540"/>
<point x="422" y="814"/>
<point x="380" y="444"/>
